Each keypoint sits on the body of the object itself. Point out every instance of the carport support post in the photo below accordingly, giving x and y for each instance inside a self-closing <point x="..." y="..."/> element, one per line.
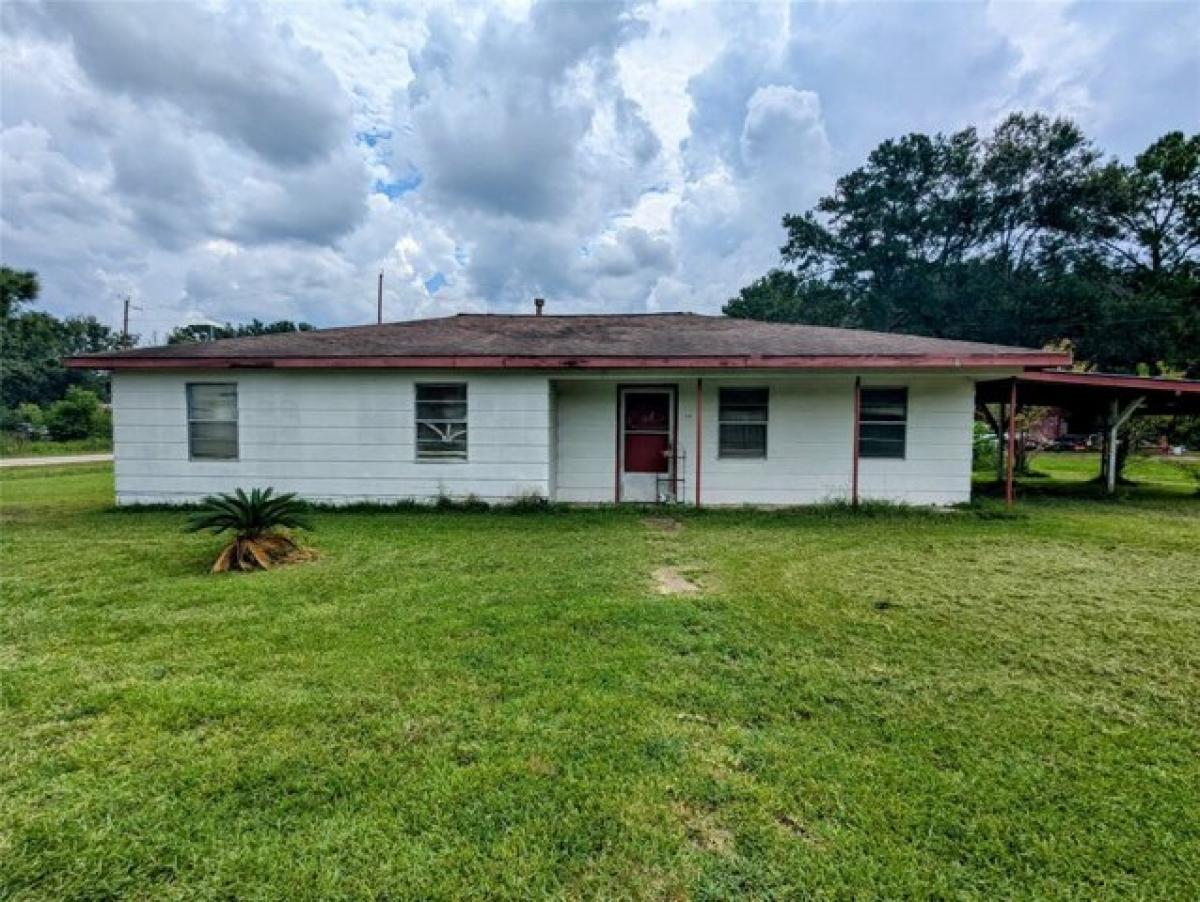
<point x="1116" y="419"/>
<point x="1112" y="447"/>
<point x="999" y="424"/>
<point x="1011" y="446"/>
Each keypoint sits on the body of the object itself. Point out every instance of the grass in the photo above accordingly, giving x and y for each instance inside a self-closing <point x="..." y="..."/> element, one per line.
<point x="465" y="704"/>
<point x="1059" y="475"/>
<point x="1148" y="470"/>
<point x="12" y="445"/>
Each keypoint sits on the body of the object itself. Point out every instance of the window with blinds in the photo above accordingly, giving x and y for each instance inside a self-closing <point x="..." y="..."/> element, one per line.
<point x="882" y="422"/>
<point x="212" y="412"/>
<point x="742" y="422"/>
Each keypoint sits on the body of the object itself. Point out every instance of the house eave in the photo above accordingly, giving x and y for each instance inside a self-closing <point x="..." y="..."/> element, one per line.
<point x="1033" y="360"/>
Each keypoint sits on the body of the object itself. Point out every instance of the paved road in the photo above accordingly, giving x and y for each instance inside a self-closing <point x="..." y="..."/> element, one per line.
<point x="54" y="461"/>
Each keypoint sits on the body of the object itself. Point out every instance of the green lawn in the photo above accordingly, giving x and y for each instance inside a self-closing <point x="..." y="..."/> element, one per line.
<point x="15" y="446"/>
<point x="1144" y="469"/>
<point x="1072" y="475"/>
<point x="456" y="705"/>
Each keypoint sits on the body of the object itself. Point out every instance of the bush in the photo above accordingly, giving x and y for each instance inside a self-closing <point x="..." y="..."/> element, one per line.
<point x="30" y="417"/>
<point x="102" y="425"/>
<point x="528" y="502"/>
<point x="78" y="415"/>
<point x="983" y="448"/>
<point x="24" y="421"/>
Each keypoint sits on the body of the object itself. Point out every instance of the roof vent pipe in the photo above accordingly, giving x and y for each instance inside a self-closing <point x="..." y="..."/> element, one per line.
<point x="538" y="304"/>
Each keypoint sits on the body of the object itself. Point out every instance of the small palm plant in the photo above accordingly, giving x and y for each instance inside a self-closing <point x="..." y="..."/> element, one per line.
<point x="255" y="520"/>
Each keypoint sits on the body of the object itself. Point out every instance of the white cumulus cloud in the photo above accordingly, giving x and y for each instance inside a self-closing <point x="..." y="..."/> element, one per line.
<point x="228" y="160"/>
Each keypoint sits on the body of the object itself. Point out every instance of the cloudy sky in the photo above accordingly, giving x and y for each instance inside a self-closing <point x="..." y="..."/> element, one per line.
<point x="226" y="161"/>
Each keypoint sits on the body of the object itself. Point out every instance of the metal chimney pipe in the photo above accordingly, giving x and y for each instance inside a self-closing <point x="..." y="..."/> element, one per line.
<point x="538" y="304"/>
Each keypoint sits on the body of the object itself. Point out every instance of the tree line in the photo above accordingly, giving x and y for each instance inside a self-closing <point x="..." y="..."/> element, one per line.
<point x="1024" y="236"/>
<point x="41" y="397"/>
<point x="33" y="343"/>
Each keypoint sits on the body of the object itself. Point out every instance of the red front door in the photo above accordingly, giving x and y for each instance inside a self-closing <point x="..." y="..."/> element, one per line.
<point x="647" y="436"/>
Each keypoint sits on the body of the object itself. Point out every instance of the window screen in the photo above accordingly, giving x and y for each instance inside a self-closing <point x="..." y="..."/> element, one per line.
<point x="742" y="422"/>
<point x="883" y="417"/>
<point x="212" y="410"/>
<point x="442" y="422"/>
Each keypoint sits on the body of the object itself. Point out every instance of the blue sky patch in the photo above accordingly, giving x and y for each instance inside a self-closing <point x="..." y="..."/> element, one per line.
<point x="372" y="138"/>
<point x="434" y="282"/>
<point x="398" y="187"/>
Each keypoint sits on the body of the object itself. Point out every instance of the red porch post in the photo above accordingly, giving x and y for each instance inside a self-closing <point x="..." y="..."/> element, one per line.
<point x="699" y="433"/>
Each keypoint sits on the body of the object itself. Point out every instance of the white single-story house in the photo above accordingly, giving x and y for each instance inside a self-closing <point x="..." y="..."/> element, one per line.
<point x="587" y="409"/>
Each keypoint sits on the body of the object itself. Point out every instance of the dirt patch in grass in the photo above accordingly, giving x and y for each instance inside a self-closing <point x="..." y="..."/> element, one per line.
<point x="695" y="718"/>
<point x="540" y="767"/>
<point x="797" y="828"/>
<point x="663" y="524"/>
<point x="670" y="581"/>
<point x="703" y="831"/>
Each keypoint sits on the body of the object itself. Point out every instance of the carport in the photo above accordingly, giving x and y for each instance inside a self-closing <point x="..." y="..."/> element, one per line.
<point x="1110" y="398"/>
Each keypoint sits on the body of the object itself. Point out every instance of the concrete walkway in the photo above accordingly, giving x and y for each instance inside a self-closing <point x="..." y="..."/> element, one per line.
<point x="54" y="461"/>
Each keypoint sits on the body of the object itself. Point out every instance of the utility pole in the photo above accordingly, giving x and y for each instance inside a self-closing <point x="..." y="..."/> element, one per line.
<point x="125" y="320"/>
<point x="379" y="299"/>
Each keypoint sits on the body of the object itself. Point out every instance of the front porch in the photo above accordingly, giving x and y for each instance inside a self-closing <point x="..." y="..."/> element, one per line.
<point x="768" y="439"/>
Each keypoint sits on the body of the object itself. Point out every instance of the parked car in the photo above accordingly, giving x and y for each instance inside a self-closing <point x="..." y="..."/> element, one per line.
<point x="1072" y="443"/>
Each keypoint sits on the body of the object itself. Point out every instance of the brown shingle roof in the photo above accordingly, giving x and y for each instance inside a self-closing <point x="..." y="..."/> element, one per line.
<point x="493" y="340"/>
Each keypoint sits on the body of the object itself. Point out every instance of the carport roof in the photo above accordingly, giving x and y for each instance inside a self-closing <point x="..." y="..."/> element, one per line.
<point x="1095" y="391"/>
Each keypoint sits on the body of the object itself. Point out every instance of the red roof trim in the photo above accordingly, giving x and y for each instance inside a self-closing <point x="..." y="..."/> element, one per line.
<point x="849" y="362"/>
<point x="1112" y="380"/>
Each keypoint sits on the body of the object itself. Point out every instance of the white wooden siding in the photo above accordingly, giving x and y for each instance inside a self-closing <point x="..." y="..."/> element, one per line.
<point x="809" y="451"/>
<point x="809" y="444"/>
<point x="342" y="436"/>
<point x="936" y="468"/>
<point x="331" y="436"/>
<point x="585" y="464"/>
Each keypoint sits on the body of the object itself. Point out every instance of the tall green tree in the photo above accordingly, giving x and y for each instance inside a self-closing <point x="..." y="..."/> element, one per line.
<point x="197" y="333"/>
<point x="1023" y="236"/>
<point x="17" y="287"/>
<point x="33" y="343"/>
<point x="1149" y="218"/>
<point x="1148" y="237"/>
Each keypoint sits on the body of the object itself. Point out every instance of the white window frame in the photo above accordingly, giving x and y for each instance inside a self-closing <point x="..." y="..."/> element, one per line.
<point x="237" y="437"/>
<point x="765" y="422"/>
<point x="418" y="421"/>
